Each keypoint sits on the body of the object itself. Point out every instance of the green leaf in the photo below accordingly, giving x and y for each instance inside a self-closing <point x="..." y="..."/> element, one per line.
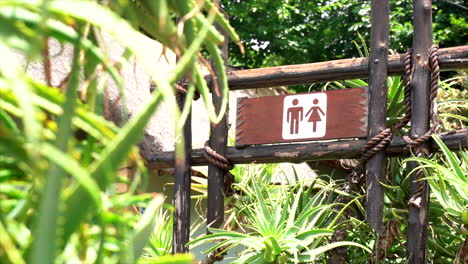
<point x="45" y="232"/>
<point x="453" y="161"/>
<point x="73" y="168"/>
<point x="143" y="229"/>
<point x="111" y="158"/>
<point x="171" y="259"/>
<point x="275" y="246"/>
<point x="9" y="247"/>
<point x="314" y="233"/>
<point x="313" y="253"/>
<point x="8" y="122"/>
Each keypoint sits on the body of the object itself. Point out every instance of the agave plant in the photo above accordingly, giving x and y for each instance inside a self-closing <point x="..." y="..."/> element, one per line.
<point x="286" y="225"/>
<point x="443" y="241"/>
<point x="453" y="106"/>
<point x="446" y="175"/>
<point x="449" y="182"/>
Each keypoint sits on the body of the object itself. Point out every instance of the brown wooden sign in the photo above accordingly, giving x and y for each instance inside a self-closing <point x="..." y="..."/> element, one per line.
<point x="302" y="117"/>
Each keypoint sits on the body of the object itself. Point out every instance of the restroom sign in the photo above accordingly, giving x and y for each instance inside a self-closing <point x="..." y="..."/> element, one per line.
<point x="302" y="117"/>
<point x="305" y="116"/>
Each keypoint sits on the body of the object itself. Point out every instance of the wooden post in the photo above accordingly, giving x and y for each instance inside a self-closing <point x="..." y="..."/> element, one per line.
<point x="420" y="105"/>
<point x="378" y="66"/>
<point x="218" y="142"/>
<point x="183" y="173"/>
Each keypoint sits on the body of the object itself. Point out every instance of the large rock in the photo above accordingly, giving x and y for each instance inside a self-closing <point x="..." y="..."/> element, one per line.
<point x="159" y="134"/>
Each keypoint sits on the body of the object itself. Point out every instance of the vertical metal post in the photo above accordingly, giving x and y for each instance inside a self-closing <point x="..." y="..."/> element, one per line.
<point x="420" y="105"/>
<point x="378" y="65"/>
<point x="218" y="141"/>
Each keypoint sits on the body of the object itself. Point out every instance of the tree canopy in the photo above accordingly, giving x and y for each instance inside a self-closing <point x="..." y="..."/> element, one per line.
<point x="294" y="31"/>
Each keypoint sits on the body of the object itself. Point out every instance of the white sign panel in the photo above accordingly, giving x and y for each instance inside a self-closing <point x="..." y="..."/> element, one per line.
<point x="304" y="116"/>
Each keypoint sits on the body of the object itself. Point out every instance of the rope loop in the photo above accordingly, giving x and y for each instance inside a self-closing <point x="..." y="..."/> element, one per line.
<point x="407" y="91"/>
<point x="381" y="140"/>
<point x="372" y="146"/>
<point x="416" y="199"/>
<point x="216" y="159"/>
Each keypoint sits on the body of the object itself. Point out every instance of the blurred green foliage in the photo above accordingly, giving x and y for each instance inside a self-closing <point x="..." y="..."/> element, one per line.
<point x="60" y="159"/>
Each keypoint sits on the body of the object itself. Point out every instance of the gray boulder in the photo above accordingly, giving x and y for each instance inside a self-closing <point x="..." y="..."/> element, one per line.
<point x="159" y="134"/>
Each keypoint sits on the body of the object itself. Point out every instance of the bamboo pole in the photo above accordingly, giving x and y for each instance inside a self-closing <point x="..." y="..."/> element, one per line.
<point x="378" y="66"/>
<point x="420" y="106"/>
<point x="335" y="70"/>
<point x="300" y="152"/>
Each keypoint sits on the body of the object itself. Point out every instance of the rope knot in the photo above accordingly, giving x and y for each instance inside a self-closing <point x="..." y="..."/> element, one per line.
<point x="221" y="162"/>
<point x="217" y="159"/>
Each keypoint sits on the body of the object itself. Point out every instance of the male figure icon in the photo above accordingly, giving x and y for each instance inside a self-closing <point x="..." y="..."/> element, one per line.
<point x="295" y="115"/>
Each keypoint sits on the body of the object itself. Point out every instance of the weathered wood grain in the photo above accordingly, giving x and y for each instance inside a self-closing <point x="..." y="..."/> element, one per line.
<point x="300" y="152"/>
<point x="260" y="120"/>
<point x="218" y="141"/>
<point x="420" y="108"/>
<point x="450" y="58"/>
<point x="378" y="68"/>
<point x="182" y="181"/>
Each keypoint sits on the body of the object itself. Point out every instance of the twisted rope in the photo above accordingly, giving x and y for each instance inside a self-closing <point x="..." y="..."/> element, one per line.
<point x="407" y="91"/>
<point x="216" y="159"/>
<point x="416" y="199"/>
<point x="372" y="146"/>
<point x="381" y="140"/>
<point x="435" y="76"/>
<point x="375" y="144"/>
<point x="221" y="162"/>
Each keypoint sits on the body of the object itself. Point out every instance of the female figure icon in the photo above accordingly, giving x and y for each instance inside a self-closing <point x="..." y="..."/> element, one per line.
<point x="315" y="114"/>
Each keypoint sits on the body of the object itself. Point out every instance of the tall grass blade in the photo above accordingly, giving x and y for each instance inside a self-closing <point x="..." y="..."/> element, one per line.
<point x="45" y="231"/>
<point x="111" y="158"/>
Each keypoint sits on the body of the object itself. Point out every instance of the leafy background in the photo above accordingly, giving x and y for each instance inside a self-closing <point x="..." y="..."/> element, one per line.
<point x="293" y="31"/>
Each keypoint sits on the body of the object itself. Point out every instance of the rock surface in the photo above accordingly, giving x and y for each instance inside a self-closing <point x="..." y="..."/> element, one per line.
<point x="159" y="134"/>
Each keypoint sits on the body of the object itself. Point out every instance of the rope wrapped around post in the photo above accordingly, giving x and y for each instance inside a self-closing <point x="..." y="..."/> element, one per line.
<point x="417" y="142"/>
<point x="216" y="159"/>
<point x="382" y="140"/>
<point x="210" y="154"/>
<point x="407" y="91"/>
<point x="373" y="145"/>
<point x="223" y="163"/>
